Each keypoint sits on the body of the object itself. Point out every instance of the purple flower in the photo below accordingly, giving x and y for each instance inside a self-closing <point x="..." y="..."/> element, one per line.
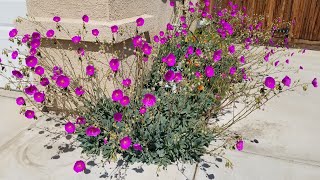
<point x="14" y="54"/>
<point x="31" y="90"/>
<point x="117" y="95"/>
<point x="156" y="38"/>
<point x="232" y="49"/>
<point x="300" y="67"/>
<point x="90" y="70"/>
<point x="20" y="101"/>
<point x="169" y="76"/>
<point x="50" y="33"/>
<point x="209" y="71"/>
<point x="81" y="120"/>
<point x="315" y="82"/>
<point x="239" y="145"/>
<point x="125" y="143"/>
<point x="190" y="50"/>
<point x="117" y="117"/>
<point x="44" y="81"/>
<point x="92" y="131"/>
<point x="29" y="114"/>
<point x="114" y="29"/>
<point x="76" y="39"/>
<point x="149" y="100"/>
<point x="198" y="52"/>
<point x="125" y="101"/>
<point x="140" y="22"/>
<point x="178" y="77"/>
<point x="39" y="97"/>
<point x="105" y="141"/>
<point x="25" y="38"/>
<point x="32" y="51"/>
<point x="197" y="74"/>
<point x="270" y="82"/>
<point x="13" y="33"/>
<point x="137" y="41"/>
<point x="171" y="60"/>
<point x="137" y="147"/>
<point x="95" y="32"/>
<point x="35" y="43"/>
<point x="31" y="61"/>
<point x="36" y="35"/>
<point x="63" y="81"/>
<point x="191" y="10"/>
<point x="56" y="19"/>
<point x="142" y="110"/>
<point x="172" y="3"/>
<point x="242" y="59"/>
<point x="232" y="70"/>
<point x="81" y="51"/>
<point x="161" y="33"/>
<point x="170" y="27"/>
<point x="79" y="166"/>
<point x="114" y="64"/>
<point x="17" y="74"/>
<point x="146" y="49"/>
<point x="217" y="55"/>
<point x="126" y="82"/>
<point x="287" y="61"/>
<point x="70" y="127"/>
<point x="276" y="63"/>
<point x="182" y="18"/>
<point x="79" y="91"/>
<point x="39" y="70"/>
<point x="286" y="81"/>
<point x="266" y="57"/>
<point x="85" y="18"/>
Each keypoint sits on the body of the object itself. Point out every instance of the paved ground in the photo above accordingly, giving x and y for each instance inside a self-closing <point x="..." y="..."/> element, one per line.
<point x="287" y="131"/>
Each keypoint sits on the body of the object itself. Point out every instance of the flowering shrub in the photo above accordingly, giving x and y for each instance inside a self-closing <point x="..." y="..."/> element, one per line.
<point x="161" y="105"/>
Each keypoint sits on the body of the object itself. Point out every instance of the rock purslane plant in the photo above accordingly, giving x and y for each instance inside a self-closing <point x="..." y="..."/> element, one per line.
<point x="162" y="104"/>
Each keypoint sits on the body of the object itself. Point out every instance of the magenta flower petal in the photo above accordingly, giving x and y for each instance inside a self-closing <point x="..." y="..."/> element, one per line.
<point x="114" y="29"/>
<point x="85" y="18"/>
<point x="232" y="70"/>
<point x="63" y="81"/>
<point x="232" y="49"/>
<point x="178" y="77"/>
<point x="70" y="127"/>
<point x="17" y="74"/>
<point x="209" y="71"/>
<point x="242" y="59"/>
<point x="217" y="55"/>
<point x="114" y="64"/>
<point x="92" y="131"/>
<point x="50" y="33"/>
<point x="126" y="82"/>
<point x="125" y="101"/>
<point x="286" y="81"/>
<point x="117" y="95"/>
<point x="81" y="120"/>
<point x="140" y="22"/>
<point x="149" y="100"/>
<point x="56" y="19"/>
<point x="30" y="90"/>
<point x="137" y="147"/>
<point x="142" y="110"/>
<point x="79" y="91"/>
<point x="14" y="54"/>
<point x="240" y="145"/>
<point x="315" y="82"/>
<point x="31" y="61"/>
<point x="171" y="60"/>
<point x="79" y="166"/>
<point x="146" y="49"/>
<point x="20" y="101"/>
<point x="90" y="70"/>
<point x="117" y="117"/>
<point x="95" y="32"/>
<point x="76" y="39"/>
<point x="39" y="70"/>
<point x="13" y="33"/>
<point x="125" y="143"/>
<point x="137" y="41"/>
<point x="29" y="114"/>
<point x="39" y="97"/>
<point x="169" y="76"/>
<point x="270" y="82"/>
<point x="44" y="81"/>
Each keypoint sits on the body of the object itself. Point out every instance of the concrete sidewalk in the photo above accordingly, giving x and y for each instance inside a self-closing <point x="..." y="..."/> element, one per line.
<point x="287" y="132"/>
